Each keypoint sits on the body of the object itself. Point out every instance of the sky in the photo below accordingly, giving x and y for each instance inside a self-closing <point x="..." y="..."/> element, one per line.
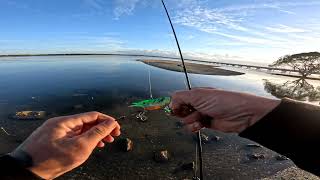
<point x="244" y="30"/>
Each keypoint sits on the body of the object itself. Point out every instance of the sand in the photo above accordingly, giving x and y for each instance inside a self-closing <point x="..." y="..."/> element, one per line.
<point x="193" y="68"/>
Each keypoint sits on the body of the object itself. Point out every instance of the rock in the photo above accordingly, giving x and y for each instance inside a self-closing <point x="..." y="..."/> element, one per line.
<point x="188" y="166"/>
<point x="281" y="157"/>
<point x="161" y="156"/>
<point x="254" y="145"/>
<point x="126" y="144"/>
<point x="256" y="156"/>
<point x="29" y="115"/>
<point x="78" y="106"/>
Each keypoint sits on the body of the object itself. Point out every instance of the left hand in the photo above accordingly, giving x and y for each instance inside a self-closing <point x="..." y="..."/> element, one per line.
<point x="64" y="143"/>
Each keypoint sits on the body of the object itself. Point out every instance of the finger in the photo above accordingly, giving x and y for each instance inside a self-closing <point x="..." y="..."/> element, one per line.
<point x="99" y="131"/>
<point x="193" y="117"/>
<point x="108" y="139"/>
<point x="116" y="132"/>
<point x="194" y="127"/>
<point x="85" y="118"/>
<point x="100" y="144"/>
<point x="179" y="104"/>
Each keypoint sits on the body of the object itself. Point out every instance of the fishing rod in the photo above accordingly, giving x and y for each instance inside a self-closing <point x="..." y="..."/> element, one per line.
<point x="199" y="145"/>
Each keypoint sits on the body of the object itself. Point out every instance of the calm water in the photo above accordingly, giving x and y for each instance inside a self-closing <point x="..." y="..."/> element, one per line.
<point x="71" y="84"/>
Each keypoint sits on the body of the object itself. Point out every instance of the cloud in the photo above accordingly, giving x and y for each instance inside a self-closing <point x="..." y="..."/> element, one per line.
<point x="285" y="29"/>
<point x="95" y="4"/>
<point x="124" y="7"/>
<point x="208" y="20"/>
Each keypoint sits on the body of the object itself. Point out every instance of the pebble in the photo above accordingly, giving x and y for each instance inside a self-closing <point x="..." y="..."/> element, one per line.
<point x="126" y="144"/>
<point x="161" y="156"/>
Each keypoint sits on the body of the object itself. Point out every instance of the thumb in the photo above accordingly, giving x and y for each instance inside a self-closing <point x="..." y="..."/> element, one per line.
<point x="99" y="131"/>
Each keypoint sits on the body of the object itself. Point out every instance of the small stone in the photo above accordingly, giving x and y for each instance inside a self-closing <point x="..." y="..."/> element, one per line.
<point x="161" y="156"/>
<point x="126" y="144"/>
<point x="188" y="166"/>
<point x="257" y="156"/>
<point x="254" y="145"/>
<point x="281" y="158"/>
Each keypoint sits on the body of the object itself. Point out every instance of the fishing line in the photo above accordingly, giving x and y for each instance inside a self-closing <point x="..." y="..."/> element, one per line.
<point x="149" y="76"/>
<point x="199" y="145"/>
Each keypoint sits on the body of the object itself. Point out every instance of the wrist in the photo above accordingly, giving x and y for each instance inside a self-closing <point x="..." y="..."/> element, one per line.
<point x="24" y="160"/>
<point x="266" y="106"/>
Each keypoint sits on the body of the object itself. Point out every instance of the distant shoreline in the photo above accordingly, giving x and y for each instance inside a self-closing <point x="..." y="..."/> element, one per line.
<point x="86" y="54"/>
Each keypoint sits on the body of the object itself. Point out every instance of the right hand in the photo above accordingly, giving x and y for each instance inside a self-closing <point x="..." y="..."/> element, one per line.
<point x="229" y="111"/>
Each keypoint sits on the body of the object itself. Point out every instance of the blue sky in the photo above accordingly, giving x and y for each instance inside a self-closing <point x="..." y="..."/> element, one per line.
<point x="249" y="30"/>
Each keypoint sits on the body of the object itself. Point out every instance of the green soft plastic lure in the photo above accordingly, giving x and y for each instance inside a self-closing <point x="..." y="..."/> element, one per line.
<point x="154" y="104"/>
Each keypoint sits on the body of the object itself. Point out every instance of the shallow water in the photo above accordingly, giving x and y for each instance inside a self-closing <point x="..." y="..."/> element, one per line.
<point x="64" y="85"/>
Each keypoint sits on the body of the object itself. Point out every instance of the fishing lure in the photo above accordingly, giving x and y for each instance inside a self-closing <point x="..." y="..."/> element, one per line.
<point x="154" y="104"/>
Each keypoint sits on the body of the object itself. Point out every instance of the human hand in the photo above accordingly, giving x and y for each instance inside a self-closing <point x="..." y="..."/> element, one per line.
<point x="228" y="111"/>
<point x="64" y="143"/>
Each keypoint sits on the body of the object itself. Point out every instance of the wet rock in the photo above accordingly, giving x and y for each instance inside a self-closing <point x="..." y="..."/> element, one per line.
<point x="188" y="166"/>
<point x="161" y="156"/>
<point x="281" y="158"/>
<point x="254" y="145"/>
<point x="126" y="144"/>
<point x="29" y="115"/>
<point x="78" y="106"/>
<point x="256" y="156"/>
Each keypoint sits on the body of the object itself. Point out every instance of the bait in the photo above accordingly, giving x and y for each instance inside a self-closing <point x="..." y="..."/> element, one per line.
<point x="153" y="104"/>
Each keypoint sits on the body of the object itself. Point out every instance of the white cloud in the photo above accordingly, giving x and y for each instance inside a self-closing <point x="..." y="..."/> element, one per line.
<point x="124" y="7"/>
<point x="96" y="4"/>
<point x="208" y="20"/>
<point x="285" y="29"/>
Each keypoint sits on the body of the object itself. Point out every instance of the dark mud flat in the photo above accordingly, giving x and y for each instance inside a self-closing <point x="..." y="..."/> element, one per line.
<point x="194" y="68"/>
<point x="227" y="157"/>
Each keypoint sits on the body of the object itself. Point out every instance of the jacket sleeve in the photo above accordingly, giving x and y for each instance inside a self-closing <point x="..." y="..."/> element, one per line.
<point x="12" y="169"/>
<point x="291" y="129"/>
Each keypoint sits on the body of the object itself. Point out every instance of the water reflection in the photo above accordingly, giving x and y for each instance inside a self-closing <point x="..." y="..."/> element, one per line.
<point x="298" y="89"/>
